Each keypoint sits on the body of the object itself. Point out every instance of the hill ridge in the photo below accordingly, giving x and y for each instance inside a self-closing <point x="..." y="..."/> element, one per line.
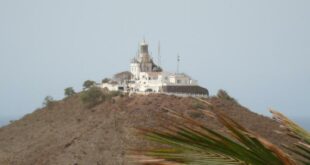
<point x="69" y="133"/>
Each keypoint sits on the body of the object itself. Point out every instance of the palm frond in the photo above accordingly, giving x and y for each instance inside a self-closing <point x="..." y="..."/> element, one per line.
<point x="294" y="128"/>
<point x="303" y="147"/>
<point x="191" y="142"/>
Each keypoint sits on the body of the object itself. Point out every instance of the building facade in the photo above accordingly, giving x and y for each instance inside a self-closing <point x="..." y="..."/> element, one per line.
<point x="147" y="77"/>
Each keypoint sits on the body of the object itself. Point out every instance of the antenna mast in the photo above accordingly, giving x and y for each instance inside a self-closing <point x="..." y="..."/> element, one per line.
<point x="159" y="57"/>
<point x="178" y="63"/>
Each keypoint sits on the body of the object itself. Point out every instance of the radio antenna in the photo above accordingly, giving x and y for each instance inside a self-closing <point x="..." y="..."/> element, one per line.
<point x="178" y="63"/>
<point x="158" y="56"/>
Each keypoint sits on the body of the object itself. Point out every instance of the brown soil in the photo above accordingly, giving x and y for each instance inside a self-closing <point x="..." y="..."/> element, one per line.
<point x="69" y="134"/>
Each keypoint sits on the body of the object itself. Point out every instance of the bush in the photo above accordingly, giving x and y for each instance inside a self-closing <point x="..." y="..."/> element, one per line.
<point x="196" y="115"/>
<point x="106" y="80"/>
<point x="48" y="101"/>
<point x="69" y="92"/>
<point x="114" y="93"/>
<point x="198" y="105"/>
<point x="110" y="94"/>
<point x="88" y="84"/>
<point x="123" y="76"/>
<point x="92" y="97"/>
<point x="224" y="95"/>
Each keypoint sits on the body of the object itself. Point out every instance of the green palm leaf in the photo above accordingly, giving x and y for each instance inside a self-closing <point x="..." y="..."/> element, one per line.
<point x="193" y="143"/>
<point x="303" y="147"/>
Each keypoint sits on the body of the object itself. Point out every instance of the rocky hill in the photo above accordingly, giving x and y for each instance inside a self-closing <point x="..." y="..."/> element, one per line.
<point x="68" y="133"/>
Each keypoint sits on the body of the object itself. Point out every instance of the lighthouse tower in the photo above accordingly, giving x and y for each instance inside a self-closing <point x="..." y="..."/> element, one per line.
<point x="143" y="62"/>
<point x="144" y="58"/>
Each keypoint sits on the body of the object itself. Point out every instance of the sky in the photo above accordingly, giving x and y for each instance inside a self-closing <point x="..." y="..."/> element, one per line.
<point x="258" y="51"/>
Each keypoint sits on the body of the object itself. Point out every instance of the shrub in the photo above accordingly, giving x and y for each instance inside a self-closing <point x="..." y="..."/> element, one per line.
<point x="106" y="80"/>
<point x="92" y="97"/>
<point x="196" y="115"/>
<point x="110" y="94"/>
<point x="198" y="105"/>
<point x="115" y="93"/>
<point x="123" y="76"/>
<point x="88" y="84"/>
<point x="69" y="92"/>
<point x="48" y="101"/>
<point x="224" y="95"/>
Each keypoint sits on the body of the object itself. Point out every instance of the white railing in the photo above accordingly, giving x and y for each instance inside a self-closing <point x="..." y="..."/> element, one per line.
<point x="173" y="94"/>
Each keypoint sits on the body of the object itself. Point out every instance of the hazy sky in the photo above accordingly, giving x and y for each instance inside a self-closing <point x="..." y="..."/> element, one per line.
<point x="259" y="51"/>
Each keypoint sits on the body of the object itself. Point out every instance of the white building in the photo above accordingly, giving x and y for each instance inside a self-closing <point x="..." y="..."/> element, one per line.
<point x="146" y="76"/>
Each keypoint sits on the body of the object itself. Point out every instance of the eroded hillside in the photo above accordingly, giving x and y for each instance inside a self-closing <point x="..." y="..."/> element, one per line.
<point x="69" y="133"/>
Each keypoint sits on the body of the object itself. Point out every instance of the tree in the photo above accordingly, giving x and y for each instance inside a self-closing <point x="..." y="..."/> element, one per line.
<point x="224" y="95"/>
<point x="69" y="92"/>
<point x="92" y="97"/>
<point x="106" y="80"/>
<point x="123" y="76"/>
<point x="48" y="101"/>
<point x="88" y="84"/>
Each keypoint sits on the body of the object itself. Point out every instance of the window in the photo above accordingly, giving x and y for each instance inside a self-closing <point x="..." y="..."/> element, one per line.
<point x="178" y="81"/>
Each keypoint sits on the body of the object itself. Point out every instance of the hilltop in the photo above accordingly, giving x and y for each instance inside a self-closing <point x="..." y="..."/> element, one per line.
<point x="67" y="132"/>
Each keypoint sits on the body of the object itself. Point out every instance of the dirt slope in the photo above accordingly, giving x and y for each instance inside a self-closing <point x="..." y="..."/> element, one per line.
<point x="69" y="134"/>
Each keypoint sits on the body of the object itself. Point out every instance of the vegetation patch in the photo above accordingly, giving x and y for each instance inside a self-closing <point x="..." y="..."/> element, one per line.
<point x="196" y="115"/>
<point x="93" y="96"/>
<point x="88" y="84"/>
<point x="49" y="102"/>
<point x="111" y="94"/>
<point x="222" y="94"/>
<point x="198" y="105"/>
<point x="69" y="92"/>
